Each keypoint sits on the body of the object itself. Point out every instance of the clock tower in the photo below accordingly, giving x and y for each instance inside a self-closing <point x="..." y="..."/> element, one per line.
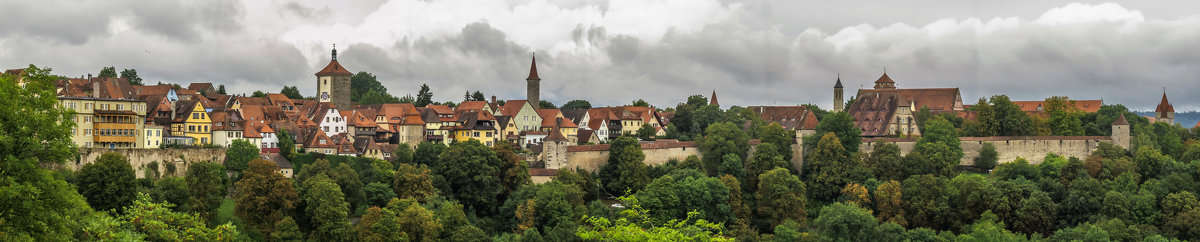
<point x="333" y="83"/>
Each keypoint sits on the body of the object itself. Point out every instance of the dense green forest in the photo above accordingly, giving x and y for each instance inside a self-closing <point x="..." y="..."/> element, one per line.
<point x="469" y="192"/>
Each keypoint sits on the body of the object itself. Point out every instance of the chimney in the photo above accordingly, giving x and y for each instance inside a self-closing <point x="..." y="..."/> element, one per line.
<point x="89" y="76"/>
<point x="493" y="99"/>
<point x="557" y="122"/>
<point x="95" y="89"/>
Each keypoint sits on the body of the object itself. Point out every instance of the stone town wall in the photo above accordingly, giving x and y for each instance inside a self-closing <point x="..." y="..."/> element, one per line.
<point x="591" y="157"/>
<point x="140" y="158"/>
<point x="1032" y="148"/>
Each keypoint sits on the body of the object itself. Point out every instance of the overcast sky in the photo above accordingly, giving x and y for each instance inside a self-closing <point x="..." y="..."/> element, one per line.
<point x="763" y="52"/>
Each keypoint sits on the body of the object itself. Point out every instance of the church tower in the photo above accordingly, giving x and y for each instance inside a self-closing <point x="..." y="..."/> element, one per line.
<point x="838" y="102"/>
<point x="534" y="87"/>
<point x="333" y="83"/>
<point x="713" y="99"/>
<point x="1165" y="112"/>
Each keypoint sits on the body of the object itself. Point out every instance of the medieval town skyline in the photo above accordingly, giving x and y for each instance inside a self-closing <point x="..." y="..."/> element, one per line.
<point x="613" y="52"/>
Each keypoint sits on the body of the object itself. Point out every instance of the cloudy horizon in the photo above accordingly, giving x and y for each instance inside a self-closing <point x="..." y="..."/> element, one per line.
<point x="611" y="52"/>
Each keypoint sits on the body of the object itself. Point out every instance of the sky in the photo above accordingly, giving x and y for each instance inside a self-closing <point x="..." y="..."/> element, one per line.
<point x="610" y="52"/>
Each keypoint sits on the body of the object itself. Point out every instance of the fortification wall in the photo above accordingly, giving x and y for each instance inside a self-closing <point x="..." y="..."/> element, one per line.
<point x="591" y="157"/>
<point x="141" y="159"/>
<point x="1032" y="148"/>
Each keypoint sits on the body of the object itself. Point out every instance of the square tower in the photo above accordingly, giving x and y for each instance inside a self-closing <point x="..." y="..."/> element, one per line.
<point x="333" y="83"/>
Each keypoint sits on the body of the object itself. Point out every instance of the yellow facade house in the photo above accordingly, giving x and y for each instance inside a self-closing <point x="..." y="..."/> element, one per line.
<point x="106" y="123"/>
<point x="476" y="125"/>
<point x="191" y="120"/>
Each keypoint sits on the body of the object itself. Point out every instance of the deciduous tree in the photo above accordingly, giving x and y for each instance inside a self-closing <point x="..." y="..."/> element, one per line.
<point x="326" y="209"/>
<point x="263" y="196"/>
<point x="889" y="202"/>
<point x="239" y="155"/>
<point x="413" y="181"/>
<point x="781" y="197"/>
<point x="108" y="184"/>
<point x="720" y="139"/>
<point x="472" y="172"/>
<point x="207" y="185"/>
<point x="625" y="171"/>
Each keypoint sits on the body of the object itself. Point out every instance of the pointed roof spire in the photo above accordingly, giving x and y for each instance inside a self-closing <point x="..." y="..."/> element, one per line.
<point x="335" y="52"/>
<point x="1164" y="105"/>
<point x="1121" y="120"/>
<point x="839" y="81"/>
<point x="713" y="100"/>
<point x="556" y="133"/>
<point x="533" y="69"/>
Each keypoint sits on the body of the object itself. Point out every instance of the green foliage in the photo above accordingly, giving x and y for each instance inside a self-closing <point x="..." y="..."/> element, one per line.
<point x="35" y="130"/>
<point x="107" y="184"/>
<point x="925" y="201"/>
<point x="206" y="183"/>
<point x="841" y="124"/>
<point x="109" y="72"/>
<point x="721" y="139"/>
<point x="582" y="179"/>
<point x="640" y="103"/>
<point x="1150" y="162"/>
<point x="672" y="196"/>
<point x="326" y="208"/>
<point x="646" y="132"/>
<point x="1019" y="168"/>
<point x="842" y="222"/>
<point x="988" y="228"/>
<point x="1084" y="199"/>
<point x="543" y="104"/>
<point x="264" y="196"/>
<point x="413" y="181"/>
<point x="987" y="157"/>
<point x="221" y="89"/>
<point x="472" y="172"/>
<point x="258" y="94"/>
<point x="291" y="92"/>
<point x="998" y="116"/>
<point x="158" y="223"/>
<point x="552" y="203"/>
<point x="765" y="159"/>
<point x="424" y="96"/>
<point x="427" y="153"/>
<point x="239" y="155"/>
<point x="576" y="104"/>
<point x="403" y="154"/>
<point x="287" y="230"/>
<point x="131" y="76"/>
<point x="828" y="169"/>
<point x="885" y="161"/>
<point x="1185" y="225"/>
<point x="782" y="139"/>
<point x="940" y="146"/>
<point x="1036" y="214"/>
<point x="634" y="226"/>
<point x="781" y="197"/>
<point x="378" y="194"/>
<point x="732" y="165"/>
<point x="364" y="85"/>
<point x="171" y="190"/>
<point x="625" y="173"/>
<point x="514" y="172"/>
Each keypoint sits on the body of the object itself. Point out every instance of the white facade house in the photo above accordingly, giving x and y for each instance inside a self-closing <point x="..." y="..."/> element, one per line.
<point x="331" y="121"/>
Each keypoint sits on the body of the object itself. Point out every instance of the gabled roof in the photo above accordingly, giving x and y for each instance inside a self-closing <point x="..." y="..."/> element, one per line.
<point x="183" y="109"/>
<point x="471" y="105"/>
<point x="789" y="117"/>
<point x="1164" y="105"/>
<point x="358" y="119"/>
<point x="883" y="79"/>
<point x="556" y="133"/>
<point x="475" y="120"/>
<point x="511" y="107"/>
<point x="938" y="99"/>
<point x="549" y="117"/>
<point x="575" y="115"/>
<point x="279" y="160"/>
<point x="201" y="87"/>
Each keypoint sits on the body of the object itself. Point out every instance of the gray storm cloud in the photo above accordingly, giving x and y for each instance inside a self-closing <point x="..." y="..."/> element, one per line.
<point x="752" y="53"/>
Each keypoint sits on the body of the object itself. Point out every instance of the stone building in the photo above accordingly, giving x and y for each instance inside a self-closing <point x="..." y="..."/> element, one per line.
<point x="838" y="101"/>
<point x="554" y="147"/>
<point x="333" y="83"/>
<point x="888" y="111"/>
<point x="1165" y="112"/>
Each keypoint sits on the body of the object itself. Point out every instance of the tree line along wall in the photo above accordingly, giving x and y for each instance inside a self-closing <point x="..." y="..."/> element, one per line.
<point x="141" y="159"/>
<point x="1032" y="148"/>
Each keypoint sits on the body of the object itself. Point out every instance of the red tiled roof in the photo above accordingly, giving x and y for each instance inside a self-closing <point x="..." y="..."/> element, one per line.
<point x="334" y="69"/>
<point x="471" y="105"/>
<point x="790" y="117"/>
<point x="1164" y="105"/>
<point x="533" y="75"/>
<point x="549" y="116"/>
<point x="511" y="107"/>
<point x="1121" y="120"/>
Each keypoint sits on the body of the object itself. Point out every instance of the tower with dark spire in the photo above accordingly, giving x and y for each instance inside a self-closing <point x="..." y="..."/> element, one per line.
<point x="838" y="102"/>
<point x="333" y="83"/>
<point x="1165" y="112"/>
<point x="534" y="82"/>
<point x="713" y="100"/>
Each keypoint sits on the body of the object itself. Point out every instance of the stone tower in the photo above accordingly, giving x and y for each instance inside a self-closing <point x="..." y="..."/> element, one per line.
<point x="333" y="83"/>
<point x="554" y="147"/>
<point x="1120" y="132"/>
<point x="534" y="87"/>
<point x="1165" y="112"/>
<point x="837" y="95"/>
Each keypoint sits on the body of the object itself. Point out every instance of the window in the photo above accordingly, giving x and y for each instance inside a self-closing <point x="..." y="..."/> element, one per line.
<point x="195" y="115"/>
<point x="191" y="128"/>
<point x="328" y="151"/>
<point x="89" y="119"/>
